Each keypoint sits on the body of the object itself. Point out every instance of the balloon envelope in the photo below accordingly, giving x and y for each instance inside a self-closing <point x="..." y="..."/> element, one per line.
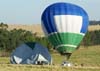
<point x="65" y="25"/>
<point x="31" y="53"/>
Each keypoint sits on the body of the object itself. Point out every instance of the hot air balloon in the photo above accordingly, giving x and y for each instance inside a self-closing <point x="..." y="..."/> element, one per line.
<point x="31" y="53"/>
<point x="65" y="25"/>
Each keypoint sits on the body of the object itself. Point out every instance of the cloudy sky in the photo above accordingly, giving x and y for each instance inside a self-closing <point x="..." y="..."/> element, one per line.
<point x="29" y="11"/>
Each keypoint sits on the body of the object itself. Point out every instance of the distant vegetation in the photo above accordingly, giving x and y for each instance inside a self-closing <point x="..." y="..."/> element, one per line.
<point x="92" y="38"/>
<point x="94" y="22"/>
<point x="9" y="40"/>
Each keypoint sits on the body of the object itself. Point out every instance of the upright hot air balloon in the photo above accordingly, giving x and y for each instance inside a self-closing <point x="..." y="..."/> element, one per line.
<point x="65" y="25"/>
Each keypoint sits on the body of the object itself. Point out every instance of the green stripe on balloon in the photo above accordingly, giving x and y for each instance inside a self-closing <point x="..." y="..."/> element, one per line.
<point x="58" y="39"/>
<point x="66" y="49"/>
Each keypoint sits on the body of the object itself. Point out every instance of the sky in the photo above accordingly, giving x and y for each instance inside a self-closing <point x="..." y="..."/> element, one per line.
<point x="29" y="11"/>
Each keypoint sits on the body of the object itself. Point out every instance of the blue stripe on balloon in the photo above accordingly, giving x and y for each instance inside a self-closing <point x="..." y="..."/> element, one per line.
<point x="85" y="24"/>
<point x="49" y="23"/>
<point x="63" y="9"/>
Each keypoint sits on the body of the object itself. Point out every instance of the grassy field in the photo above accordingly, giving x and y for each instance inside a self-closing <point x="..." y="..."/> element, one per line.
<point x="9" y="67"/>
<point x="84" y="59"/>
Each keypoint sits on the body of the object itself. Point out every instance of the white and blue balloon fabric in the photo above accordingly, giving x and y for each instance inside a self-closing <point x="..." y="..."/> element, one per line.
<point x="65" y="25"/>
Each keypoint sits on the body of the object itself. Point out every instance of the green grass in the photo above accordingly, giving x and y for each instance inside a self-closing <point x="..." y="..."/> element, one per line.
<point x="4" y="60"/>
<point x="88" y="57"/>
<point x="84" y="56"/>
<point x="10" y="67"/>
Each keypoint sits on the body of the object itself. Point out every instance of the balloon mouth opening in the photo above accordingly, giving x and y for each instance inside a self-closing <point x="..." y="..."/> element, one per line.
<point x="66" y="49"/>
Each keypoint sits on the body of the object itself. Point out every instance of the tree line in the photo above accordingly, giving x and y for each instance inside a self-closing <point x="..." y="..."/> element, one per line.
<point x="9" y="40"/>
<point x="91" y="38"/>
<point x="93" y="22"/>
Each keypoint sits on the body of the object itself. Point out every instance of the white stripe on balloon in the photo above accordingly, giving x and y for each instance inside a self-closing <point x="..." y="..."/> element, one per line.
<point x="68" y="23"/>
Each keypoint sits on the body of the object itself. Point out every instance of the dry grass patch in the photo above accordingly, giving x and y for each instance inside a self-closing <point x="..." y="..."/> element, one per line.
<point x="94" y="27"/>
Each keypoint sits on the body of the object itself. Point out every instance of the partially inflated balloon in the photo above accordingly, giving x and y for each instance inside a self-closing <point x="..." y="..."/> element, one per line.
<point x="65" y="25"/>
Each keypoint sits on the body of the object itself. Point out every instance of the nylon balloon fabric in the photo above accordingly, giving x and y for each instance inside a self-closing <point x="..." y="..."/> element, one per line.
<point x="65" y="25"/>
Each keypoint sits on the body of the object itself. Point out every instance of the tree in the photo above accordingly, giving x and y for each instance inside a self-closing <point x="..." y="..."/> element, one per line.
<point x="9" y="40"/>
<point x="3" y="26"/>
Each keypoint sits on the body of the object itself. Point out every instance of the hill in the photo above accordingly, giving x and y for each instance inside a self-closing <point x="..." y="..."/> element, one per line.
<point x="36" y="28"/>
<point x="94" y="27"/>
